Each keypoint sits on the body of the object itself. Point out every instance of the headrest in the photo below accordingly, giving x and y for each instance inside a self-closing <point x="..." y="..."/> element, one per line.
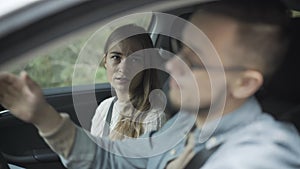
<point x="283" y="91"/>
<point x="285" y="83"/>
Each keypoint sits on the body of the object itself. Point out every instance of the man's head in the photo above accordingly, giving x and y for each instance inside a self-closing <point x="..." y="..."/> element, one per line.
<point x="249" y="37"/>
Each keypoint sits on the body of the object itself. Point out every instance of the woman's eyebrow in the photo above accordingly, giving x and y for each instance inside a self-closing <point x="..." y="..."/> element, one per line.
<point x="116" y="53"/>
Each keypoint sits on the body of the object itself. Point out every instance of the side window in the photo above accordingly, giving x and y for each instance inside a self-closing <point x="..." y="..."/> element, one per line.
<point x="295" y="14"/>
<point x="53" y="66"/>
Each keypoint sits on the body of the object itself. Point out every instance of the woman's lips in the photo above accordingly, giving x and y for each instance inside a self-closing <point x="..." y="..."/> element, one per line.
<point x="122" y="80"/>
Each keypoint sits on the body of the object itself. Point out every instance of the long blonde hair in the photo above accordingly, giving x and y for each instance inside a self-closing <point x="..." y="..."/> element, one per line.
<point x="134" y="112"/>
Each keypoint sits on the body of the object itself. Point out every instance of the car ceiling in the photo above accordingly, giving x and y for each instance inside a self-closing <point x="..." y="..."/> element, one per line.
<point x="18" y="36"/>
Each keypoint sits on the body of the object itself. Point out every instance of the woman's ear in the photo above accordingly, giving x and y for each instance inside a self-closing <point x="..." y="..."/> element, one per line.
<point x="247" y="84"/>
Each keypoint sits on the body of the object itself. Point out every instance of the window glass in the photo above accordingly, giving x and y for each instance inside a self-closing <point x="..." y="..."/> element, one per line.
<point x="54" y="67"/>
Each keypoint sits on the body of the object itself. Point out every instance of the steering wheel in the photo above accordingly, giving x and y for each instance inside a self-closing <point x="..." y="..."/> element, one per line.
<point x="3" y="163"/>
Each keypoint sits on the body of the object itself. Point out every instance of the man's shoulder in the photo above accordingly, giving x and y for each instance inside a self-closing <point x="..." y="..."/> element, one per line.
<point x="266" y="129"/>
<point x="269" y="128"/>
<point x="269" y="143"/>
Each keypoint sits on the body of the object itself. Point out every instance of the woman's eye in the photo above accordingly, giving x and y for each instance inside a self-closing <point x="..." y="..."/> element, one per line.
<point x="115" y="57"/>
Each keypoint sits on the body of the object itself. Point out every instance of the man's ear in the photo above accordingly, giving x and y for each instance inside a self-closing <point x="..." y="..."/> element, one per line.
<point x="247" y="84"/>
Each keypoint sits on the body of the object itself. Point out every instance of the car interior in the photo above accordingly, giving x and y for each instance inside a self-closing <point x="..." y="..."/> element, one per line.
<point x="20" y="143"/>
<point x="281" y="96"/>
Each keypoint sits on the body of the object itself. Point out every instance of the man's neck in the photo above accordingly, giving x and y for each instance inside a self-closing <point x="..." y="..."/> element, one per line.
<point x="230" y="106"/>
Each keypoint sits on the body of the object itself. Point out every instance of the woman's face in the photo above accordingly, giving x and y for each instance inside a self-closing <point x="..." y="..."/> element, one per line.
<point x="122" y="62"/>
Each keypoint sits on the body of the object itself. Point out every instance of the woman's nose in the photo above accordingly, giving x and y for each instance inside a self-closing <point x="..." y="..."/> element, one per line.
<point x="123" y="65"/>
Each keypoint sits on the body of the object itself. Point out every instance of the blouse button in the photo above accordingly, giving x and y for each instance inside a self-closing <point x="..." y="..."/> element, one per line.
<point x="173" y="152"/>
<point x="211" y="143"/>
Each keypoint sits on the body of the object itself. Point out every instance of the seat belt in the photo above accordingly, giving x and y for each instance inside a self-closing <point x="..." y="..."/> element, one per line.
<point x="201" y="157"/>
<point x="106" y="130"/>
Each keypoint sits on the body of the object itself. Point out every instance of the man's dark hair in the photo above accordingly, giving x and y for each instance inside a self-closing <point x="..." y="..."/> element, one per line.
<point x="262" y="30"/>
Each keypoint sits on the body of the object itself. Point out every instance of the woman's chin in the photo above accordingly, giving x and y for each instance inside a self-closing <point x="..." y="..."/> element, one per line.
<point x="121" y="88"/>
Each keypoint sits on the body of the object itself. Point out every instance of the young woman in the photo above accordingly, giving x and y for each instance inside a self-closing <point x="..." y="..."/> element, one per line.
<point x="129" y="113"/>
